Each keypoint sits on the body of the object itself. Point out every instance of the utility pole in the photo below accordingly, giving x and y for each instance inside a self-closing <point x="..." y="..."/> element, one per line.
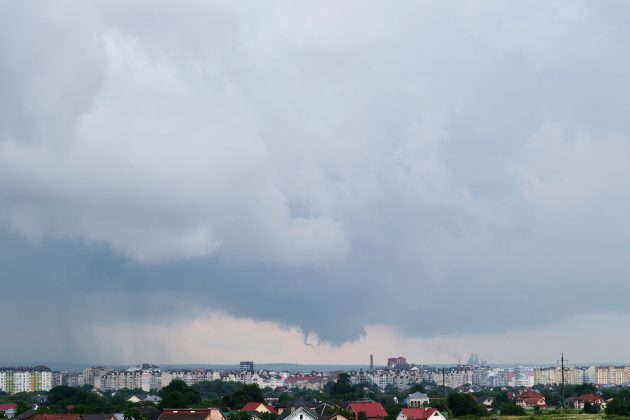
<point x="564" y="408"/>
<point x="444" y="384"/>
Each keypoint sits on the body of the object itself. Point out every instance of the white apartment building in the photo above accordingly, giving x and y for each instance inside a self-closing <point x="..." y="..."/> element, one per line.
<point x="14" y="380"/>
<point x="609" y="375"/>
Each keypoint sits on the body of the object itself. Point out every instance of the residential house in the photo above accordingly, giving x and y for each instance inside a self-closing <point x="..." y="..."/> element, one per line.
<point x="417" y="413"/>
<point x="417" y="399"/>
<point x="259" y="407"/>
<point x="10" y="413"/>
<point x="151" y="413"/>
<point x="580" y="401"/>
<point x="103" y="416"/>
<point x="372" y="410"/>
<point x="152" y="399"/>
<point x="57" y="417"/>
<point x="530" y="399"/>
<point x="486" y="401"/>
<point x="192" y="414"/>
<point x="323" y="409"/>
<point x="294" y="405"/>
<point x="27" y="415"/>
<point x="300" y="413"/>
<point x="8" y="410"/>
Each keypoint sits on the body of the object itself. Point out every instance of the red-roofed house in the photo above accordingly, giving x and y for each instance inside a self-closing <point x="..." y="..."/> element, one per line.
<point x="372" y="410"/>
<point x="580" y="401"/>
<point x="259" y="407"/>
<point x="8" y="410"/>
<point x="420" y="413"/>
<point x="57" y="417"/>
<point x="530" y="399"/>
<point x="191" y="414"/>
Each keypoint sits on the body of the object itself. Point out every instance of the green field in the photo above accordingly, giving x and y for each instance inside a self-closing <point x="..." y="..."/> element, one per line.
<point x="567" y="416"/>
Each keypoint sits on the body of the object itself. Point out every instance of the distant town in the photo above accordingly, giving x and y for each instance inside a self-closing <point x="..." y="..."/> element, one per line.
<point x="473" y="374"/>
<point x="397" y="390"/>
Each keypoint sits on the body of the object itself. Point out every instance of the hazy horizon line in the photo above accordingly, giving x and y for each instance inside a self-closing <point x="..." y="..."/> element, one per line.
<point x="56" y="365"/>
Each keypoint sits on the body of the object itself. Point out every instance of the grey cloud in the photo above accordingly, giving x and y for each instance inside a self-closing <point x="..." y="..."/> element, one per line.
<point x="52" y="67"/>
<point x="274" y="161"/>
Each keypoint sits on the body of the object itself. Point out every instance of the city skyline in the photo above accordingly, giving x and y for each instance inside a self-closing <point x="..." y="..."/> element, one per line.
<point x="399" y="374"/>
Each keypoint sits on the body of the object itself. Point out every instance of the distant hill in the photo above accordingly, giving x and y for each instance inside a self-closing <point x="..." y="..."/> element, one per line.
<point x="278" y="367"/>
<point x="288" y="367"/>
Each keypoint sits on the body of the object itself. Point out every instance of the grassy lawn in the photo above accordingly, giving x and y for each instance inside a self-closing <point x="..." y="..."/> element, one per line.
<point x="568" y="416"/>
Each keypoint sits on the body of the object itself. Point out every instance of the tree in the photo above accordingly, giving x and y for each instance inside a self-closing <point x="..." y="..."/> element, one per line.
<point x="337" y="409"/>
<point x="241" y="415"/>
<point x="465" y="405"/>
<point x="132" y="413"/>
<point x="362" y="416"/>
<point x="500" y="399"/>
<point x="585" y="389"/>
<point x="618" y="407"/>
<point x="60" y="393"/>
<point x="23" y="406"/>
<point x="342" y="386"/>
<point x="439" y="404"/>
<point x="511" y="409"/>
<point x="178" y="394"/>
<point x="417" y="388"/>
<point x="244" y="394"/>
<point x="591" y="408"/>
<point x="214" y="390"/>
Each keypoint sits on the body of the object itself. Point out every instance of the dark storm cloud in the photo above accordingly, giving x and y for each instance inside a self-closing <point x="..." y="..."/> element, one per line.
<point x="278" y="161"/>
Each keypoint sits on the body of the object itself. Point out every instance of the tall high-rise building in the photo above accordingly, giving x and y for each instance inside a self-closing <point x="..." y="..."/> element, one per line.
<point x="247" y="366"/>
<point x="397" y="362"/>
<point x="371" y="362"/>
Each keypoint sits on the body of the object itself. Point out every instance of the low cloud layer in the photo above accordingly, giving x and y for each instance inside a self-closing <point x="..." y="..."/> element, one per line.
<point x="440" y="170"/>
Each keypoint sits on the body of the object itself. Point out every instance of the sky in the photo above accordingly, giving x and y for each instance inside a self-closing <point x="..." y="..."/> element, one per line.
<point x="314" y="182"/>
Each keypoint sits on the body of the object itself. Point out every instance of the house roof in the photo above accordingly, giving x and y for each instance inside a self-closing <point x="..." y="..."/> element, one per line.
<point x="102" y="416"/>
<point x="57" y="417"/>
<point x="184" y="414"/>
<point x="321" y="409"/>
<point x="252" y="414"/>
<point x="254" y="406"/>
<point x="5" y="407"/>
<point x="335" y="416"/>
<point x="418" y="413"/>
<point x="371" y="409"/>
<point x="589" y="398"/>
<point x="529" y="394"/>
<point x="151" y="413"/>
<point x="294" y="414"/>
<point x="300" y="402"/>
<point x="27" y="414"/>
<point x="417" y="395"/>
<point x="531" y="401"/>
